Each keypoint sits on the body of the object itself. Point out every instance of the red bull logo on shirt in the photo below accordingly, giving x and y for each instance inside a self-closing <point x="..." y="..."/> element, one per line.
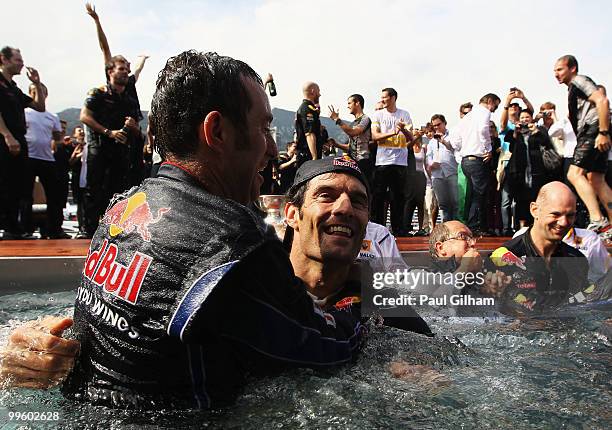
<point x="132" y="214"/>
<point x="124" y="282"/>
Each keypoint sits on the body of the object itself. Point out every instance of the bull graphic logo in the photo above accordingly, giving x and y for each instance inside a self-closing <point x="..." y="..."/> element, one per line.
<point x="504" y="257"/>
<point x="366" y="245"/>
<point x="132" y="214"/>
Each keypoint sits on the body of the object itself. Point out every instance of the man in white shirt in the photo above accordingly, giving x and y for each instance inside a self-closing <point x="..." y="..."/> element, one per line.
<point x="42" y="129"/>
<point x="442" y="167"/>
<point x="379" y="243"/>
<point x="391" y="130"/>
<point x="473" y="141"/>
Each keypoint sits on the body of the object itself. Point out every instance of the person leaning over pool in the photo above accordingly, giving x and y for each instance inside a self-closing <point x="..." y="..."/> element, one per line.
<point x="185" y="291"/>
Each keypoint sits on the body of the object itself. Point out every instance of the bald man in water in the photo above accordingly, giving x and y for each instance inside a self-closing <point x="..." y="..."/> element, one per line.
<point x="308" y="125"/>
<point x="546" y="272"/>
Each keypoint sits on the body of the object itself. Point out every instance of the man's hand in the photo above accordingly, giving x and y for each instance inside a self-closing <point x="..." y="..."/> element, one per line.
<point x="602" y="143"/>
<point x="119" y="136"/>
<point x="12" y="144"/>
<point x="36" y="356"/>
<point x="487" y="157"/>
<point x="131" y="123"/>
<point x="33" y="75"/>
<point x="269" y="79"/>
<point x="91" y="11"/>
<point x="495" y="283"/>
<point x="470" y="262"/>
<point x="333" y="114"/>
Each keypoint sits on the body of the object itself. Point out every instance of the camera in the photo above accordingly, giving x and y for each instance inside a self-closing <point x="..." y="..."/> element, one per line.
<point x="523" y="126"/>
<point x="437" y="136"/>
<point x="545" y="114"/>
<point x="513" y="89"/>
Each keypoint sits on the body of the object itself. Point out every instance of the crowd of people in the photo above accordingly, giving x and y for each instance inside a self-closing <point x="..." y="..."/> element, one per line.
<point x="483" y="173"/>
<point x="105" y="155"/>
<point x="480" y="172"/>
<point x="178" y="306"/>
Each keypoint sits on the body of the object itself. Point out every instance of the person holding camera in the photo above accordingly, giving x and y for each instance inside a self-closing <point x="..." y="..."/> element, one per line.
<point x="526" y="171"/>
<point x="442" y="167"/>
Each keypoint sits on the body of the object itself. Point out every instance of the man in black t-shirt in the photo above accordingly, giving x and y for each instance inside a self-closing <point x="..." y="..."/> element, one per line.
<point x="308" y="125"/>
<point x="13" y="145"/>
<point x="111" y="114"/>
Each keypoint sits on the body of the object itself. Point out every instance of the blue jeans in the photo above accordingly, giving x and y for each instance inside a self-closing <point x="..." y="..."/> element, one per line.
<point x="446" y="193"/>
<point x="477" y="172"/>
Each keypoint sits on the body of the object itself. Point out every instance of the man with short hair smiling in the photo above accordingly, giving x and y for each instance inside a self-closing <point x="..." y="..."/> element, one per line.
<point x="359" y="133"/>
<point x="546" y="272"/>
<point x="391" y="130"/>
<point x="13" y="145"/>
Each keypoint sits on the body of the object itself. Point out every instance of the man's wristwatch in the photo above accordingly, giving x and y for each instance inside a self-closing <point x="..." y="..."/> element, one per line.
<point x="604" y="132"/>
<point x="107" y="132"/>
<point x="506" y="107"/>
<point x="338" y="121"/>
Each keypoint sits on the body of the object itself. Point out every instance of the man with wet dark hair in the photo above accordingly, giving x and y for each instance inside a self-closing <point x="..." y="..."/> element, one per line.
<point x="185" y="290"/>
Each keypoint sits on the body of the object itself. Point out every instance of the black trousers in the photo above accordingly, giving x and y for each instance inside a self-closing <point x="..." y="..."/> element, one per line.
<point x="13" y="185"/>
<point x="107" y="174"/>
<point x="48" y="175"/>
<point x="477" y="172"/>
<point x="392" y="178"/>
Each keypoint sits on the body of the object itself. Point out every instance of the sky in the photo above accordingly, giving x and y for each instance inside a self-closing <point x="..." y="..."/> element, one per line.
<point x="437" y="55"/>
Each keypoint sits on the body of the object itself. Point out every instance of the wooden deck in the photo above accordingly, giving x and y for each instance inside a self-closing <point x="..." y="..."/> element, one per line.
<point x="79" y="247"/>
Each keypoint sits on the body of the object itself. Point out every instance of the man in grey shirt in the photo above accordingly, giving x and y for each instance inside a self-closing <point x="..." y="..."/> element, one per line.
<point x="359" y="133"/>
<point x="590" y="118"/>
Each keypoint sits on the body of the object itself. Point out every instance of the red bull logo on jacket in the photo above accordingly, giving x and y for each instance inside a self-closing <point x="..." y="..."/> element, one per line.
<point x="132" y="214"/>
<point x="504" y="257"/>
<point x="124" y="282"/>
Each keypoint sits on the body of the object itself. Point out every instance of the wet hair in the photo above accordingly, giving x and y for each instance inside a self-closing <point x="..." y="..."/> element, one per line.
<point x="570" y="60"/>
<point x="391" y="92"/>
<point x="190" y="86"/>
<point x="7" y="52"/>
<point x="440" y="233"/>
<point x="438" y="116"/>
<point x="548" y="105"/>
<point x="358" y="98"/>
<point x="490" y="97"/>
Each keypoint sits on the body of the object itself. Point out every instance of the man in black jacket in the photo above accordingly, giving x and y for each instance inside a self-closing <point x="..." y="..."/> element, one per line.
<point x="546" y="272"/>
<point x="185" y="291"/>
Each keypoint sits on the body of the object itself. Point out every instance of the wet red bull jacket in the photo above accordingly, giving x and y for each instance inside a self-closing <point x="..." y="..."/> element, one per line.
<point x="184" y="294"/>
<point x="535" y="287"/>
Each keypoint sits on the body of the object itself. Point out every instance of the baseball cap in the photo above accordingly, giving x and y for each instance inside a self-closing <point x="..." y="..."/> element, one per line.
<point x="313" y="168"/>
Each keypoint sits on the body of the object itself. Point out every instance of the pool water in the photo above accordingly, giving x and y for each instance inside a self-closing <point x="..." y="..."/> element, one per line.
<point x="489" y="374"/>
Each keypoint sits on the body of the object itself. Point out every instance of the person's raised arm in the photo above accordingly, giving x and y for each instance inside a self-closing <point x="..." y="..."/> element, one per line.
<point x="38" y="103"/>
<point x="91" y="11"/>
<point x="140" y="62"/>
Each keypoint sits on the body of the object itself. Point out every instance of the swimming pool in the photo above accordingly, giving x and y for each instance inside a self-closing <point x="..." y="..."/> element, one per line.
<point x="543" y="375"/>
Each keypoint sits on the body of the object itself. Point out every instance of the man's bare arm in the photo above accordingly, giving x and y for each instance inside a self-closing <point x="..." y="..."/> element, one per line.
<point x="36" y="355"/>
<point x="602" y="143"/>
<point x="102" y="40"/>
<point x="311" y="139"/>
<point x="87" y="118"/>
<point x="12" y="143"/>
<point x="140" y="65"/>
<point x="377" y="135"/>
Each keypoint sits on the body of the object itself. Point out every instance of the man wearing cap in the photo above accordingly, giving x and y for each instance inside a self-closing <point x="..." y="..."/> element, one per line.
<point x="327" y="214"/>
<point x="185" y="291"/>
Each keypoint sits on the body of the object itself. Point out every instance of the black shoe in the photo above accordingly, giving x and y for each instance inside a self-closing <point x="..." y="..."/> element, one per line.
<point x="8" y="235"/>
<point x="508" y="233"/>
<point x="59" y="235"/>
<point x="420" y="233"/>
<point x="83" y="235"/>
